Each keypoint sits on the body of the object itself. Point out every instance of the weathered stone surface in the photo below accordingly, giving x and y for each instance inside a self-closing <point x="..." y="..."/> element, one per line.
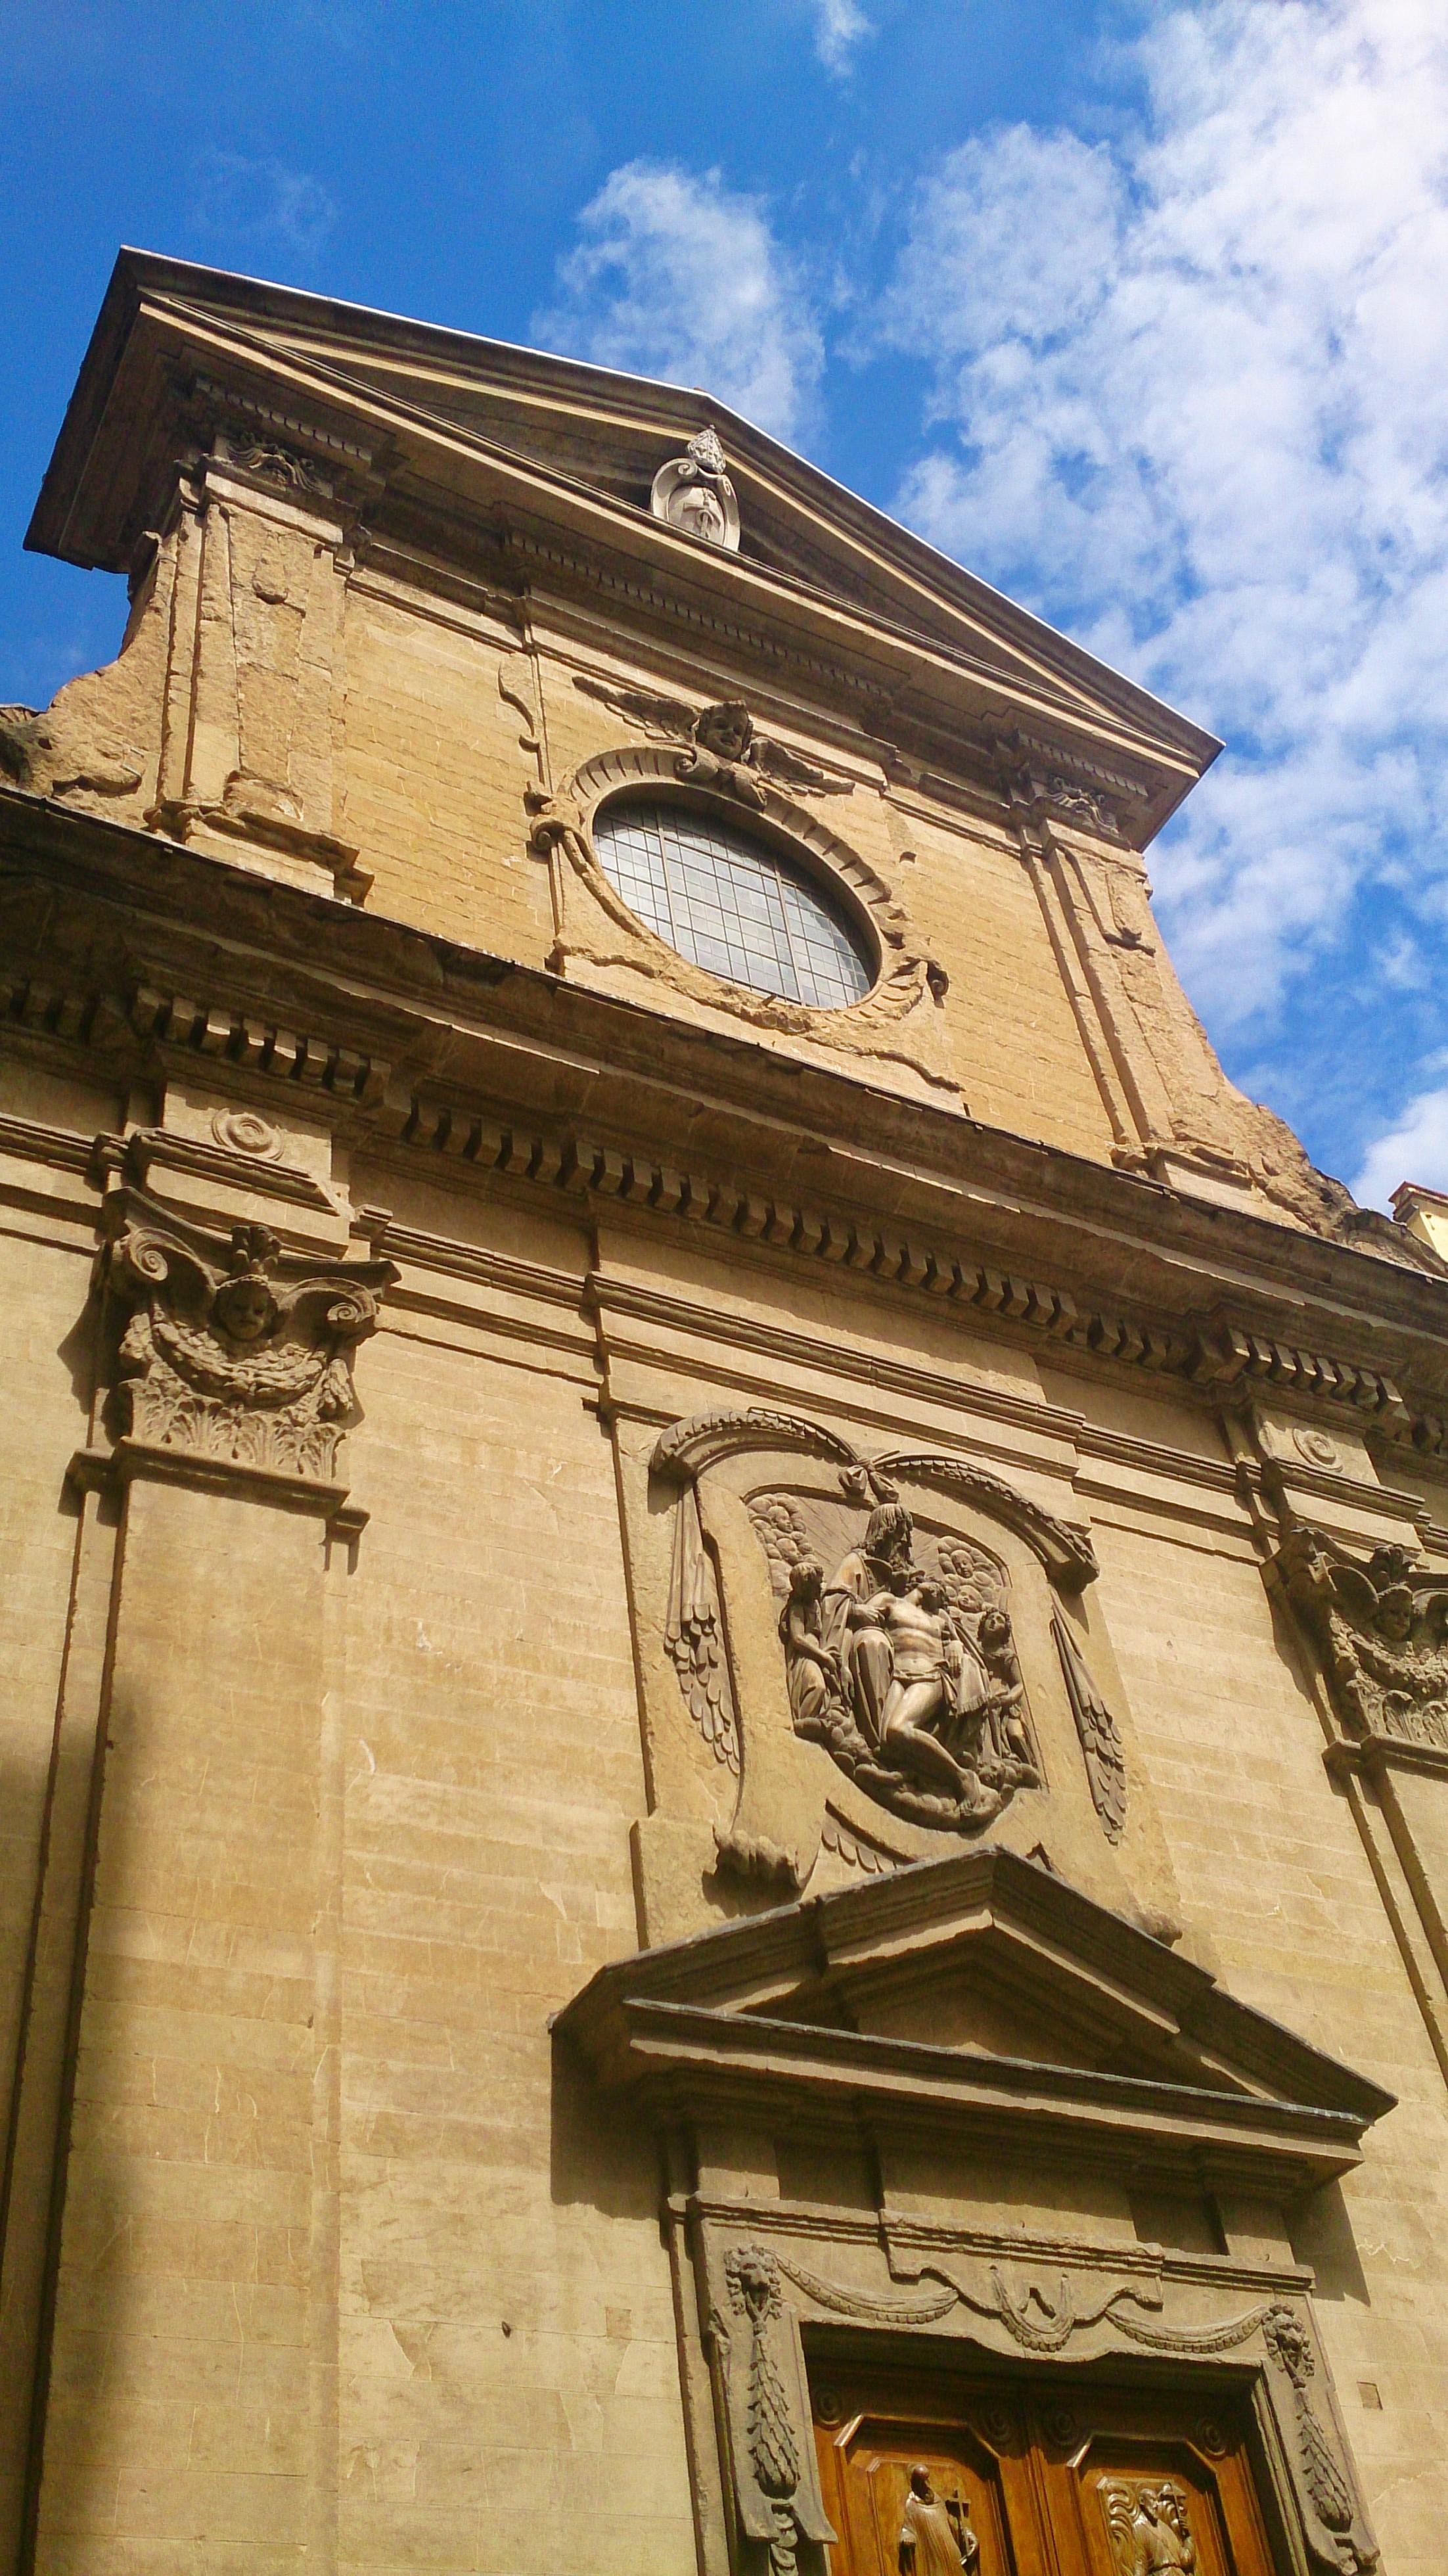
<point x="443" y="1326"/>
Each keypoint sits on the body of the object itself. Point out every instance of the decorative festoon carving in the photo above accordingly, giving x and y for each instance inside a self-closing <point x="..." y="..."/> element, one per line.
<point x="238" y="1351"/>
<point x="693" y="492"/>
<point x="1383" y="1630"/>
<point x="935" y="2534"/>
<point x="1148" y="2526"/>
<point x="1332" y="2498"/>
<point x="775" y="2493"/>
<point x="901" y="1662"/>
<point x="1101" y="1749"/>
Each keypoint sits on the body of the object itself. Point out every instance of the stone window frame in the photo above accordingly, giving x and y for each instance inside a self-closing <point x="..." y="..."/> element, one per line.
<point x="905" y="971"/>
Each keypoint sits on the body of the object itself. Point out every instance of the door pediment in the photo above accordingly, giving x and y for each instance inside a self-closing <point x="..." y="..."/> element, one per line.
<point x="969" y="1999"/>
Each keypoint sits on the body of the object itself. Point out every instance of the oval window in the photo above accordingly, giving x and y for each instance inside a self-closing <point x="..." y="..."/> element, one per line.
<point x="730" y="904"/>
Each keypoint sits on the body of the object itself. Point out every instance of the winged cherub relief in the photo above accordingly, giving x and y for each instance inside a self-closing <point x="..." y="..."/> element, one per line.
<point x="721" y="746"/>
<point x="1383" y="1629"/>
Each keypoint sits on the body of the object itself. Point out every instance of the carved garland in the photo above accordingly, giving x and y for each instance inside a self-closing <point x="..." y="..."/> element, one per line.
<point x="775" y="2498"/>
<point x="564" y="822"/>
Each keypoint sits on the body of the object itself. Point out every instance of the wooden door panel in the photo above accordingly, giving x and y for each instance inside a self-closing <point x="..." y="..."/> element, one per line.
<point x="870" y="2470"/>
<point x="1050" y="2479"/>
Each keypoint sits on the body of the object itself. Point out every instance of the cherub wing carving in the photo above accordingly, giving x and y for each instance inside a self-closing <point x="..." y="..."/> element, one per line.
<point x="694" y="1635"/>
<point x="668" y="719"/>
<point x="786" y="769"/>
<point x="1354" y="1595"/>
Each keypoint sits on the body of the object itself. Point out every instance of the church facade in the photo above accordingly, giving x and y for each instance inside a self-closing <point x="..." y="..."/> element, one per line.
<point x="726" y="1627"/>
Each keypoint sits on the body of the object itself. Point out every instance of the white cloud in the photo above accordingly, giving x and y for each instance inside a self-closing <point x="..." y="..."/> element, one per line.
<point x="238" y="200"/>
<point x="839" y="26"/>
<point x="1415" y="1149"/>
<point x="678" y="277"/>
<point x="1191" y="397"/>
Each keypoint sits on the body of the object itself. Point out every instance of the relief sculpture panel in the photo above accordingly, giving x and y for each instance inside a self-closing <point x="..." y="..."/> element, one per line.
<point x="900" y="1659"/>
<point x="876" y="1659"/>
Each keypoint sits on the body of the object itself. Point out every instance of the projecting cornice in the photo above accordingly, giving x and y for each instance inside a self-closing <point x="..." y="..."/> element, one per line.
<point x="778" y="2015"/>
<point x="547" y="465"/>
<point x="151" y="952"/>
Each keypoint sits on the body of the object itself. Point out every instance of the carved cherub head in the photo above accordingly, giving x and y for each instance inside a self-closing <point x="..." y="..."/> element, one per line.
<point x="727" y="731"/>
<point x="245" y="1308"/>
<point x="244" y="1305"/>
<point x="1395" y="1614"/>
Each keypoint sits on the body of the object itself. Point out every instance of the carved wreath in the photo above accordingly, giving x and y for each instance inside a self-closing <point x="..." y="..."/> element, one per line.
<point x="907" y="969"/>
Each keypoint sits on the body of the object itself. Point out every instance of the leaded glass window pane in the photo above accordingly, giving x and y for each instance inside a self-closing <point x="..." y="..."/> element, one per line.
<point x="730" y="905"/>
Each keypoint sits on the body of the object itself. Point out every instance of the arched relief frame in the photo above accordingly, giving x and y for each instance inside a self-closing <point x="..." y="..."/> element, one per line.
<point x="595" y="923"/>
<point x="745" y="1809"/>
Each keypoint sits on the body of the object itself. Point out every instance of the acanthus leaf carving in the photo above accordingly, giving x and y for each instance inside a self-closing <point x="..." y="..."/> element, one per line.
<point x="776" y="2495"/>
<point x="236" y="1350"/>
<point x="1382" y="1627"/>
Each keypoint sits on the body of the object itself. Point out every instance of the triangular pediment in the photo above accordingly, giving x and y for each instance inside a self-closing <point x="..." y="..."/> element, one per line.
<point x="466" y="433"/>
<point x="978" y="1990"/>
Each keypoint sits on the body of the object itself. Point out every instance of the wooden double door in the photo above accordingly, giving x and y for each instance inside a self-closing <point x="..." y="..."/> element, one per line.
<point x="925" y="2475"/>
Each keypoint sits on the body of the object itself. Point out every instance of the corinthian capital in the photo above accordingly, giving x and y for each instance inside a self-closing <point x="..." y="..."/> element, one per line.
<point x="236" y="1350"/>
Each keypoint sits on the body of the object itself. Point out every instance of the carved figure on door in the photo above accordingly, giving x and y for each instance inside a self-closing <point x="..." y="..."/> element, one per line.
<point x="935" y="2534"/>
<point x="1147" y="2520"/>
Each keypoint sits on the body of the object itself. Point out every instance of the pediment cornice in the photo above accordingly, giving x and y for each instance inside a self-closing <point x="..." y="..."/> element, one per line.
<point x="494" y="1065"/>
<point x="556" y="459"/>
<point x="760" y="2019"/>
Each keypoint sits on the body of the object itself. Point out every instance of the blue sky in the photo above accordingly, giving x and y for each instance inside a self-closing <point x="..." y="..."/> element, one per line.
<point x="1141" y="311"/>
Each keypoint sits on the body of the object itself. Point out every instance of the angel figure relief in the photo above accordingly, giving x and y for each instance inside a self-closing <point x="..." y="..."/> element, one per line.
<point x="905" y="1671"/>
<point x="1383" y="1629"/>
<point x="1147" y="2521"/>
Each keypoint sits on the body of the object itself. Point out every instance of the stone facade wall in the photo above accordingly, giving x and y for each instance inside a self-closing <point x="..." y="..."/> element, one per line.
<point x="350" y="1725"/>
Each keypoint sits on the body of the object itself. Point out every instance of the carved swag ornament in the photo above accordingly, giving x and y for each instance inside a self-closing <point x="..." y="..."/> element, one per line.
<point x="236" y="1350"/>
<point x="757" y="2354"/>
<point x="1382" y="1627"/>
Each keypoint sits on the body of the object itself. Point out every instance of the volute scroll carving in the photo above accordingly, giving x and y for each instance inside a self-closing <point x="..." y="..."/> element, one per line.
<point x="236" y="1350"/>
<point x="1381" y="1625"/>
